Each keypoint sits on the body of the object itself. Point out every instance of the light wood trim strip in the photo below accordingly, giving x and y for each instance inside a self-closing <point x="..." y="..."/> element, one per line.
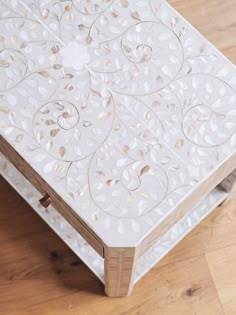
<point x="44" y="188"/>
<point x="120" y="266"/>
<point x="228" y="183"/>
<point x="192" y="200"/>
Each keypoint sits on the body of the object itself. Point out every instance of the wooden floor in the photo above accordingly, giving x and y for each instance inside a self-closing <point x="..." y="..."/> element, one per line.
<point x="39" y="275"/>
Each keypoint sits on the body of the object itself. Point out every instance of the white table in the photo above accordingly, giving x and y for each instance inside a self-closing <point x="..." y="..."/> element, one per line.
<point x="120" y="118"/>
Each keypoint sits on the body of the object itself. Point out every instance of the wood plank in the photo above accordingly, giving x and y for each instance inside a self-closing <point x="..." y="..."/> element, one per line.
<point x="35" y="265"/>
<point x="12" y="205"/>
<point x="167" y="291"/>
<point x="215" y="232"/>
<point x="222" y="264"/>
<point x="120" y="266"/>
<point x="214" y="19"/>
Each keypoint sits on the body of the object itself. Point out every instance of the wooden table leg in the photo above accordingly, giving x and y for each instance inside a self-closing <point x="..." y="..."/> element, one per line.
<point x="120" y="266"/>
<point x="228" y="183"/>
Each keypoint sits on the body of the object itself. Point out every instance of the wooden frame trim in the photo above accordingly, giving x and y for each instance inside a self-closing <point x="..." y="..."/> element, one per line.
<point x="228" y="183"/>
<point x="120" y="267"/>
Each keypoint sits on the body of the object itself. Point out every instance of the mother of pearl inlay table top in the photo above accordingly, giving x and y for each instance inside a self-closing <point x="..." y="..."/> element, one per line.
<point x="121" y="107"/>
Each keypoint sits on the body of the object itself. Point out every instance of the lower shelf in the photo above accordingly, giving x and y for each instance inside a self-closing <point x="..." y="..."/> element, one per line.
<point x="82" y="249"/>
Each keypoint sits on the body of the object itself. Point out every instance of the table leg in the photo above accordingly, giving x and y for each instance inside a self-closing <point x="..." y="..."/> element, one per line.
<point x="120" y="266"/>
<point x="228" y="183"/>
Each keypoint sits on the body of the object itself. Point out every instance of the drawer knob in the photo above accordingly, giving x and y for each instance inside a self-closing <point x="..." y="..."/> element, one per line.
<point x="45" y="201"/>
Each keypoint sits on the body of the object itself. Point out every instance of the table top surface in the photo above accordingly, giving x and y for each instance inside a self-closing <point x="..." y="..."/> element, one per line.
<point x="120" y="105"/>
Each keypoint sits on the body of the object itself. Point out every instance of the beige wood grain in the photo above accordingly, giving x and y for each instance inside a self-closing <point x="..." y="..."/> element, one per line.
<point x="228" y="183"/>
<point x="39" y="275"/>
<point x="35" y="265"/>
<point x="119" y="264"/>
<point x="32" y="271"/>
<point x="222" y="263"/>
<point x="216" y="232"/>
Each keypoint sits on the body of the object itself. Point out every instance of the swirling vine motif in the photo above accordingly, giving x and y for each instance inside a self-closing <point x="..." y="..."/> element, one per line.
<point x="13" y="67"/>
<point x="124" y="189"/>
<point x="122" y="90"/>
<point x="144" y="65"/>
<point x="73" y="133"/>
<point x="206" y="121"/>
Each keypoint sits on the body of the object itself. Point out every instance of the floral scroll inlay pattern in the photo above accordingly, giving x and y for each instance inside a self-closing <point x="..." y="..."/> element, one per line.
<point x="73" y="133"/>
<point x="206" y="121"/>
<point x="117" y="103"/>
<point x="145" y="65"/>
<point x="124" y="188"/>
